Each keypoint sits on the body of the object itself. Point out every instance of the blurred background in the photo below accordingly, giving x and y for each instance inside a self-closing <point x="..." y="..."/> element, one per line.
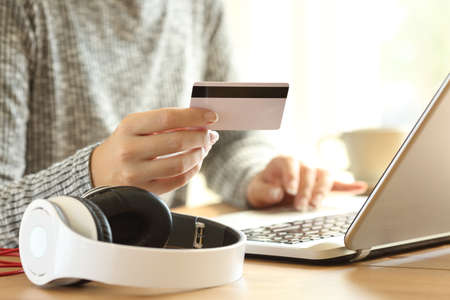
<point x="351" y="64"/>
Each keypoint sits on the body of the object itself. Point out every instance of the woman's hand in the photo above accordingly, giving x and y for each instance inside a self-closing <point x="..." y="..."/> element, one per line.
<point x="158" y="150"/>
<point x="286" y="180"/>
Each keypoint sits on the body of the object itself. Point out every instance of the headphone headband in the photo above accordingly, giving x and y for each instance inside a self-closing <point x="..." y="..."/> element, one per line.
<point x="53" y="253"/>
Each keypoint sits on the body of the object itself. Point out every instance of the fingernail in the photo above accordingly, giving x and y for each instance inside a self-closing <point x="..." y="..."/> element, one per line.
<point x="316" y="200"/>
<point x="207" y="148"/>
<point x="276" y="194"/>
<point x="211" y="117"/>
<point x="302" y="208"/>
<point x="292" y="188"/>
<point x="204" y="152"/>
<point x="302" y="204"/>
<point x="213" y="137"/>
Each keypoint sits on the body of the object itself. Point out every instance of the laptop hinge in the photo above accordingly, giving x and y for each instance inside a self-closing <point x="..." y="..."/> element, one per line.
<point x="361" y="254"/>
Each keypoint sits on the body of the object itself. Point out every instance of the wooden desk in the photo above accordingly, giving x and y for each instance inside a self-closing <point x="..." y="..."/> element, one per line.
<point x="416" y="275"/>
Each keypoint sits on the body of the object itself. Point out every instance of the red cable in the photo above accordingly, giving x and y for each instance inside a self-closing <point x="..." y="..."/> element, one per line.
<point x="7" y="262"/>
<point x="9" y="251"/>
<point x="15" y="272"/>
<point x="10" y="264"/>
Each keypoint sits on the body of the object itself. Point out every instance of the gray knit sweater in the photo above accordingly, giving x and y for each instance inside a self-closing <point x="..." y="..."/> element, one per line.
<point x="71" y="70"/>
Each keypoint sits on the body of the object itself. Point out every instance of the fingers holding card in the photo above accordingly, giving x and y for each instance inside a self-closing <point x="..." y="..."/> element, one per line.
<point x="242" y="106"/>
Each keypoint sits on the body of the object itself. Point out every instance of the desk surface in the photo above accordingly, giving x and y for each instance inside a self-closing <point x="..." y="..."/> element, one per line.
<point x="416" y="275"/>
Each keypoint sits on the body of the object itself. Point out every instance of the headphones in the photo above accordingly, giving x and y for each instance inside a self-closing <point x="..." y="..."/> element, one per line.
<point x="125" y="236"/>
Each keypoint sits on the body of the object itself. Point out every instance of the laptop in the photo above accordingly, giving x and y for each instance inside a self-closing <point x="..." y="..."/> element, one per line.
<point x="408" y="208"/>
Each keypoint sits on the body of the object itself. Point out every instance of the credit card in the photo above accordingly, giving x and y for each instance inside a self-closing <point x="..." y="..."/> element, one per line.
<point x="242" y="106"/>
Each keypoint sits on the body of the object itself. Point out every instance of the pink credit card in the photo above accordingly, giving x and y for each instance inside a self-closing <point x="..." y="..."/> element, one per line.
<point x="242" y="106"/>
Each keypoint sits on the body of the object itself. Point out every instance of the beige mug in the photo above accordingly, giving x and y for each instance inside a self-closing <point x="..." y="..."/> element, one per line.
<point x="369" y="151"/>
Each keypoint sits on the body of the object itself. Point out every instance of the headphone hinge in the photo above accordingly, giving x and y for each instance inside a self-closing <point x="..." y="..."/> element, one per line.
<point x="198" y="235"/>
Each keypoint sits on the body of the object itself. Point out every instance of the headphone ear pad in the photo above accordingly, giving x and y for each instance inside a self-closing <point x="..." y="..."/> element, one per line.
<point x="136" y="216"/>
<point x="104" y="232"/>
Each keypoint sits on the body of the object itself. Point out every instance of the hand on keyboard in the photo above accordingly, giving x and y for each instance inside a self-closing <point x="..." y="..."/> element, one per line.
<point x="287" y="180"/>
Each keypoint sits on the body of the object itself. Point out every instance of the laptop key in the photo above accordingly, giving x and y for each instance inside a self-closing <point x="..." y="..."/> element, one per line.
<point x="286" y="229"/>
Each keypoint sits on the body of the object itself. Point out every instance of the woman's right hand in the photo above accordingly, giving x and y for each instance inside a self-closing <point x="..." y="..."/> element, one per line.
<point x="158" y="150"/>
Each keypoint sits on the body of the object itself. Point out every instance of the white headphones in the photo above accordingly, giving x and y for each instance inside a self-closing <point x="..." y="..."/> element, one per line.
<point x="114" y="235"/>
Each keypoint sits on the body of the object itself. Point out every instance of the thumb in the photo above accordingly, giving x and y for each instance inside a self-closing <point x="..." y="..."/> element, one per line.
<point x="262" y="194"/>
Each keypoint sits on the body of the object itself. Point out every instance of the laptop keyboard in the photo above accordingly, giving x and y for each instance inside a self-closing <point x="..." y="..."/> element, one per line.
<point x="302" y="230"/>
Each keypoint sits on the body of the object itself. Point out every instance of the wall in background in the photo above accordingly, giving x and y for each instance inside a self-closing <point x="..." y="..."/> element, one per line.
<point x="351" y="64"/>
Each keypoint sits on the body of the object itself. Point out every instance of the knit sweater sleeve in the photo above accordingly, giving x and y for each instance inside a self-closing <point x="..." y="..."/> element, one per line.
<point x="71" y="176"/>
<point x="238" y="155"/>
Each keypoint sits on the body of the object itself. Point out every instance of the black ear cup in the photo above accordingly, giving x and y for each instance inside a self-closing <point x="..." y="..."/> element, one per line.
<point x="104" y="232"/>
<point x="136" y="216"/>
